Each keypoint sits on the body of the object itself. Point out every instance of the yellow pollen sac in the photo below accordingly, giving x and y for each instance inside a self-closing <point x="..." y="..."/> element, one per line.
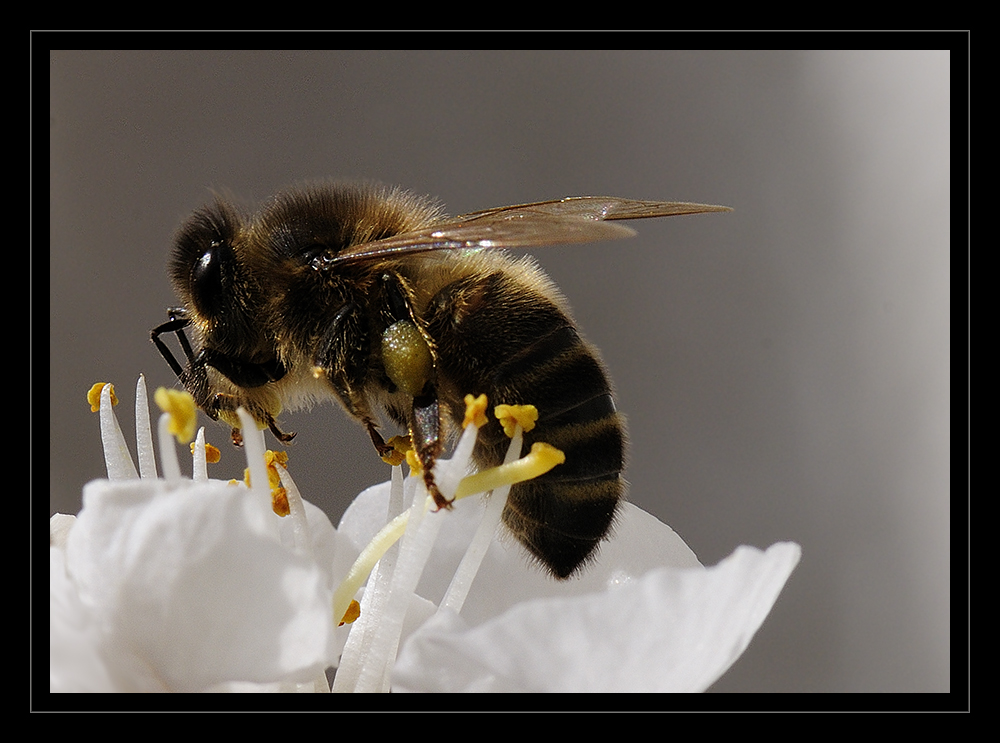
<point x="538" y="461"/>
<point x="511" y="415"/>
<point x="212" y="453"/>
<point x="352" y="613"/>
<point x="270" y="459"/>
<point x="475" y="411"/>
<point x="182" y="410"/>
<point x="94" y="396"/>
<point x="279" y="496"/>
<point x="406" y="357"/>
<point x="279" y="502"/>
<point x="400" y="445"/>
<point x="415" y="467"/>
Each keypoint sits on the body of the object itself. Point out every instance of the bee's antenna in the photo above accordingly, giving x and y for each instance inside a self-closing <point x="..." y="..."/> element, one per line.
<point x="176" y="324"/>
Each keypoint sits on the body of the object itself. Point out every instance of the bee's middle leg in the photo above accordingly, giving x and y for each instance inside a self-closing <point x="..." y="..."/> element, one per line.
<point x="426" y="438"/>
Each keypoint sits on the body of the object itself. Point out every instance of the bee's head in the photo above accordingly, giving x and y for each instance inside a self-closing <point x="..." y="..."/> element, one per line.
<point x="210" y="276"/>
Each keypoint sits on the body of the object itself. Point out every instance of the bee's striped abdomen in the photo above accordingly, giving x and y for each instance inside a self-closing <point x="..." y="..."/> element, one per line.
<point x="499" y="336"/>
<point x="562" y="516"/>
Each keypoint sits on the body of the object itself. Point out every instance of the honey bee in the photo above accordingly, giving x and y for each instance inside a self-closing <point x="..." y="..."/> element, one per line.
<point x="370" y="296"/>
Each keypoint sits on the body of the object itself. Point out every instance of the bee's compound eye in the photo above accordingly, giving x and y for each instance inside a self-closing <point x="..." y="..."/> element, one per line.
<point x="206" y="279"/>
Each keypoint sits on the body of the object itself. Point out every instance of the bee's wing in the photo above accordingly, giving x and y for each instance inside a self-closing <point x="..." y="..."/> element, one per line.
<point x="595" y="208"/>
<point x="578" y="219"/>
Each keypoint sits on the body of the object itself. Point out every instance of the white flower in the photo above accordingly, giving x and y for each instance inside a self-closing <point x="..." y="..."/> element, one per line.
<point x="645" y="617"/>
<point x="180" y="585"/>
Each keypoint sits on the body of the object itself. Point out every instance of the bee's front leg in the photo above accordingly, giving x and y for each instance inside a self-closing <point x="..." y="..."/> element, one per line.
<point x="381" y="447"/>
<point x="280" y="435"/>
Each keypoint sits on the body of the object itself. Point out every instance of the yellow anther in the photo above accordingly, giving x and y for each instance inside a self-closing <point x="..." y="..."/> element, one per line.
<point x="182" y="410"/>
<point x="279" y="502"/>
<point x="94" y="396"/>
<point x="415" y="467"/>
<point x="400" y="445"/>
<point x="512" y="415"/>
<point x="538" y="461"/>
<point x="352" y="613"/>
<point x="475" y="411"/>
<point x="279" y="496"/>
<point x="270" y="459"/>
<point x="394" y="458"/>
<point x="212" y="453"/>
<point x="362" y="567"/>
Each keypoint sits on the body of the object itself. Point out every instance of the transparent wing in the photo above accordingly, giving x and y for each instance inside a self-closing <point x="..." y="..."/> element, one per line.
<point x="594" y="208"/>
<point x="578" y="219"/>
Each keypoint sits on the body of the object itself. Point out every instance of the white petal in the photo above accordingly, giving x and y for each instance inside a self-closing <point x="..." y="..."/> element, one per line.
<point x="75" y="661"/>
<point x="190" y="583"/>
<point x="670" y="630"/>
<point x="60" y="525"/>
<point x="638" y="544"/>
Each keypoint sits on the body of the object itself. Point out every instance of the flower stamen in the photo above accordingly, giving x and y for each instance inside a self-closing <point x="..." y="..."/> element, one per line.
<point x="540" y="460"/>
<point x="353" y="612"/>
<point x="475" y="411"/>
<point x="116" y="455"/>
<point x="212" y="453"/>
<point x="178" y="419"/>
<point x="512" y="416"/>
<point x="515" y="419"/>
<point x="94" y="395"/>
<point x="400" y="447"/>
<point x="253" y="442"/>
<point x="182" y="411"/>
<point x="144" y="432"/>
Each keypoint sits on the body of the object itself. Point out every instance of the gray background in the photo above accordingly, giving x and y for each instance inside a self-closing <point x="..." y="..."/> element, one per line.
<point x="784" y="368"/>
